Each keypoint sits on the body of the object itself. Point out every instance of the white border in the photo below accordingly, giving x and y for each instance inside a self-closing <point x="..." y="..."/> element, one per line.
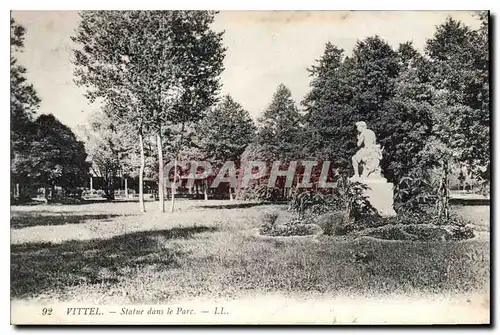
<point x="190" y="4"/>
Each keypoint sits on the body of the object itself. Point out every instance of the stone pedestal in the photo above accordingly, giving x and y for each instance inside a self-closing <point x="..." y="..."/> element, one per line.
<point x="380" y="193"/>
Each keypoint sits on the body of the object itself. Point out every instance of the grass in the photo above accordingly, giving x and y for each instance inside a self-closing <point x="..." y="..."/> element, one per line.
<point x="32" y="219"/>
<point x="205" y="250"/>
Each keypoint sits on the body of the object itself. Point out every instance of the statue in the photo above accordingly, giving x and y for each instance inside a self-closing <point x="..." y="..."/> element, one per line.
<point x="368" y="156"/>
<point x="379" y="192"/>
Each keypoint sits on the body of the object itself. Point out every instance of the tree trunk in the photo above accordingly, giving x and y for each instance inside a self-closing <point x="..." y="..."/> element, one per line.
<point x="446" y="195"/>
<point x="91" y="188"/>
<point x="205" y="190"/>
<point x="231" y="198"/>
<point x="141" y="175"/>
<point x="126" y="188"/>
<point x="161" y="185"/>
<point x="174" y="186"/>
<point x="109" y="188"/>
<point x="443" y="196"/>
<point x="46" y="193"/>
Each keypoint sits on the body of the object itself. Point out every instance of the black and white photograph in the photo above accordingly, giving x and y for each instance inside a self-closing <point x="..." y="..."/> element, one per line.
<point x="264" y="167"/>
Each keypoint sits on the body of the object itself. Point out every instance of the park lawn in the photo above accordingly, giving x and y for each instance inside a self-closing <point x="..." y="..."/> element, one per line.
<point x="105" y="254"/>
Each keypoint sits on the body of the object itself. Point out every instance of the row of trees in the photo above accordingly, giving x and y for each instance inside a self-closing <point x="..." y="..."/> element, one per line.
<point x="428" y="110"/>
<point x="424" y="108"/>
<point x="44" y="152"/>
<point x="157" y="72"/>
<point x="157" y="75"/>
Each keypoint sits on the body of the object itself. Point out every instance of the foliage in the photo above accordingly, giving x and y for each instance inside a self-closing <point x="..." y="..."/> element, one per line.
<point x="335" y="223"/>
<point x="408" y="119"/>
<point x="279" y="128"/>
<point x="294" y="227"/>
<point x="224" y="133"/>
<point x="280" y="224"/>
<point x="155" y="56"/>
<point x="44" y="152"/>
<point x="423" y="227"/>
<point x="424" y="108"/>
<point x="427" y="110"/>
<point x="460" y="74"/>
<point x="345" y="90"/>
<point x="415" y="193"/>
<point x="270" y="218"/>
<point x="419" y="232"/>
<point x="24" y="103"/>
<point x="461" y="232"/>
<point x="158" y="69"/>
<point x="313" y="203"/>
<point x="55" y="156"/>
<point x="260" y="192"/>
<point x="109" y="147"/>
<point x="347" y="197"/>
<point x="255" y="152"/>
<point x="256" y="189"/>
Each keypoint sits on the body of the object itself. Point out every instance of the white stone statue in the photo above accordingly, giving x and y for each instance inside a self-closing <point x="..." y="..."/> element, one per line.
<point x="379" y="192"/>
<point x="368" y="156"/>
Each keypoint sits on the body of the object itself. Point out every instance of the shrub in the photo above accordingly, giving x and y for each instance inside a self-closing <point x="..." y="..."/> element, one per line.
<point x="66" y="200"/>
<point x="293" y="228"/>
<point x="281" y="224"/>
<point x="425" y="232"/>
<point x="260" y="192"/>
<point x="268" y="222"/>
<point x="270" y="218"/>
<point x="310" y="203"/>
<point x="403" y="218"/>
<point x="347" y="196"/>
<point x="252" y="192"/>
<point x="415" y="192"/>
<point x="389" y="232"/>
<point x="425" y="227"/>
<point x="335" y="223"/>
<point x="461" y="232"/>
<point x="410" y="218"/>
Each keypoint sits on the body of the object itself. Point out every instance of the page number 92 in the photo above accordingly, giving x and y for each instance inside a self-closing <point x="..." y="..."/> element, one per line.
<point x="46" y="311"/>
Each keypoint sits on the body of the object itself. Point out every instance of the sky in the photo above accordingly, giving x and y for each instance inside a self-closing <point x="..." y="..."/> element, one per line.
<point x="265" y="48"/>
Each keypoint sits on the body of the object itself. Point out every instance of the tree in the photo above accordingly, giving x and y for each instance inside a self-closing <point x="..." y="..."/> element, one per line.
<point x="328" y="117"/>
<point x="408" y="123"/>
<point x="109" y="148"/>
<point x="345" y="90"/>
<point x="55" y="157"/>
<point x="280" y="127"/>
<point x="24" y="103"/>
<point x="460" y="76"/>
<point x="224" y="133"/>
<point x="168" y="62"/>
<point x="279" y="134"/>
<point x="106" y="63"/>
<point x="24" y="100"/>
